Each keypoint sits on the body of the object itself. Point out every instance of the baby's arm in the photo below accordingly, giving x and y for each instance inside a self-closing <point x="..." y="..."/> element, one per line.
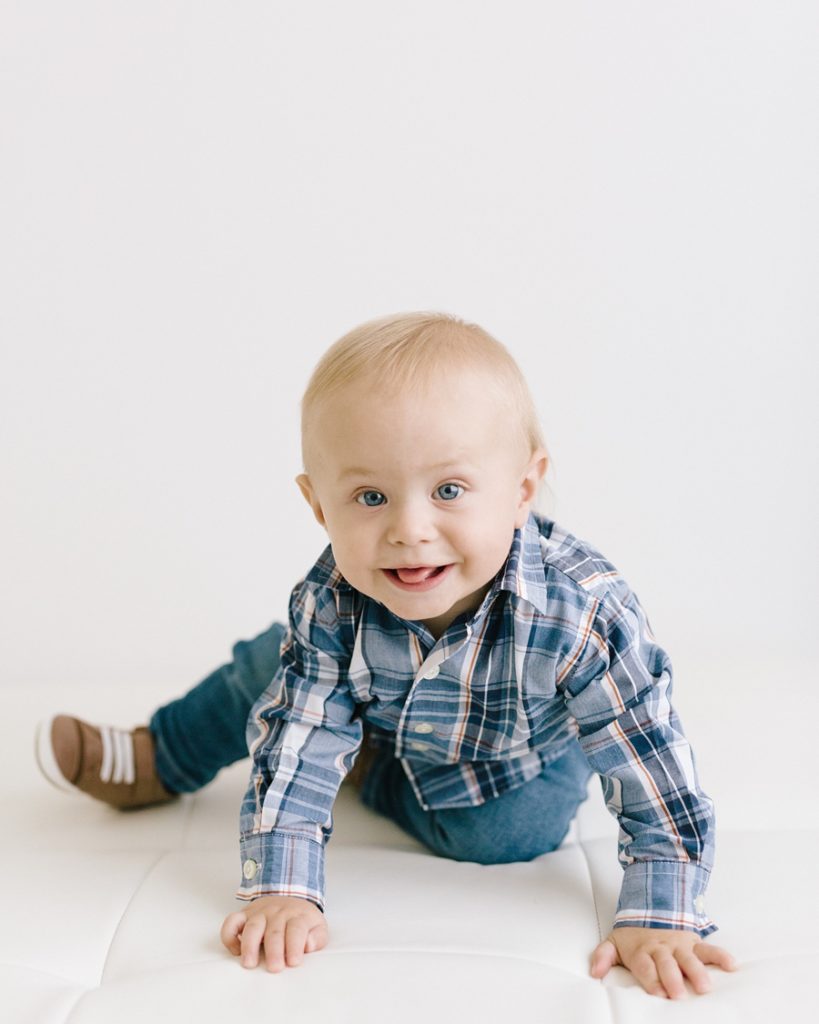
<point x="287" y="926"/>
<point x="303" y="735"/>
<point x="618" y="690"/>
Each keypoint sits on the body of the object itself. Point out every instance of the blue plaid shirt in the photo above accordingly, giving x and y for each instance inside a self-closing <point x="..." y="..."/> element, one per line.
<point x="564" y="648"/>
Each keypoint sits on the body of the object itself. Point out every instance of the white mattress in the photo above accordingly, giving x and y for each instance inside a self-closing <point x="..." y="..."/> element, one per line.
<point x="115" y="916"/>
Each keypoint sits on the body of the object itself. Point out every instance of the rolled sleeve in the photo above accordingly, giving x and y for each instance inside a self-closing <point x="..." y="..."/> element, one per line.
<point x="282" y="864"/>
<point x="664" y="894"/>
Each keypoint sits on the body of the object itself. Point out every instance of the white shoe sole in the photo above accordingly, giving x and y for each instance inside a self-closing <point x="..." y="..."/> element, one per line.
<point x="46" y="761"/>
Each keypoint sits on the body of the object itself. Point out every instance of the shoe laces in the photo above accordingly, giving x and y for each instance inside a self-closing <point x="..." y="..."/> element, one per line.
<point x="117" y="755"/>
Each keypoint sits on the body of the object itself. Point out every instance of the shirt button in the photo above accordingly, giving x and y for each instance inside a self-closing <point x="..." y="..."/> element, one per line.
<point x="424" y="727"/>
<point x="699" y="904"/>
<point x="249" y="869"/>
<point x="419" y="746"/>
<point x="431" y="673"/>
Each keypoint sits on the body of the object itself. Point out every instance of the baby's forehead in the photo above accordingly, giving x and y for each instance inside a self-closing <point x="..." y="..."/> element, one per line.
<point x="384" y="455"/>
<point x="455" y="417"/>
<point x="446" y="408"/>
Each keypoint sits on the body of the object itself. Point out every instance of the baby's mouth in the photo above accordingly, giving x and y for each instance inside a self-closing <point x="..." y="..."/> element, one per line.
<point x="416" y="576"/>
<point x="417" y="573"/>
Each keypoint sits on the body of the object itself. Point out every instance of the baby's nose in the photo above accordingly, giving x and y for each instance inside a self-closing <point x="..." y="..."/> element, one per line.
<point x="410" y="523"/>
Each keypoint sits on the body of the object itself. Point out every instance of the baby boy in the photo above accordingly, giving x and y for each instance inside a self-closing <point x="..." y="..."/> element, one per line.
<point x="488" y="660"/>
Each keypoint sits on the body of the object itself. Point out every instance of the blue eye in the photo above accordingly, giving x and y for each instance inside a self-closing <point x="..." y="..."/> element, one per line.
<point x="369" y="494"/>
<point x="449" y="496"/>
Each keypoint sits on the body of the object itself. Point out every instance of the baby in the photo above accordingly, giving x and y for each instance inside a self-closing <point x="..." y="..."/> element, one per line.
<point x="474" y="660"/>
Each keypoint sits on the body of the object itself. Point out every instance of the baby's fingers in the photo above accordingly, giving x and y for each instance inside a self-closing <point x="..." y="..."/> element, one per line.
<point x="296" y="941"/>
<point x="604" y="958"/>
<point x="274" y="945"/>
<point x="317" y="938"/>
<point x="285" y="942"/>
<point x="695" y="971"/>
<point x="644" y="969"/>
<point x="231" y="930"/>
<point x="710" y="954"/>
<point x="670" y="975"/>
<point x="252" y="939"/>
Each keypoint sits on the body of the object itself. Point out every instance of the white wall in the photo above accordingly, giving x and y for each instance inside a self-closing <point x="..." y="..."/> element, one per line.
<point x="197" y="198"/>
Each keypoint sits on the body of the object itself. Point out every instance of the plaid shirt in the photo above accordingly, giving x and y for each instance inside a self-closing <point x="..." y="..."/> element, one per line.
<point x="564" y="648"/>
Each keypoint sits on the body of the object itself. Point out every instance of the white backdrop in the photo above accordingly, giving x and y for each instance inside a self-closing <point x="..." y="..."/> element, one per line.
<point x="199" y="197"/>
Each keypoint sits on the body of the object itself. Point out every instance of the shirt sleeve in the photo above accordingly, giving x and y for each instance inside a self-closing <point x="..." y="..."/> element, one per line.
<point x="303" y="734"/>
<point x="619" y="692"/>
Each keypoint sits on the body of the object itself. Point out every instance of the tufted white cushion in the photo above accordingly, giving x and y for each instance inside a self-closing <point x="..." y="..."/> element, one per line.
<point x="115" y="916"/>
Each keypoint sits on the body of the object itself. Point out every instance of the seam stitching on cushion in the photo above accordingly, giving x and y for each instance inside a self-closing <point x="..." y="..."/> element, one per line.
<point x="72" y="1012"/>
<point x="125" y="909"/>
<point x="606" y="988"/>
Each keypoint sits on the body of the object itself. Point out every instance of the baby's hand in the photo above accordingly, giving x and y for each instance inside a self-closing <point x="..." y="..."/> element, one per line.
<point x="287" y="925"/>
<point x="658" y="958"/>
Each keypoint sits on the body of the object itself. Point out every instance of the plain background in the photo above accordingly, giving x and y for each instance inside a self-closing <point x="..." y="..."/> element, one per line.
<point x="198" y="198"/>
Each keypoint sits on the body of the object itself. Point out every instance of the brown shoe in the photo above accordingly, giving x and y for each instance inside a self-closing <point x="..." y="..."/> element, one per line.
<point x="116" y="766"/>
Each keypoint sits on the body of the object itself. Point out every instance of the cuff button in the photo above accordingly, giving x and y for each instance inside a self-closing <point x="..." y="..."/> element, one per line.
<point x="249" y="869"/>
<point x="699" y="904"/>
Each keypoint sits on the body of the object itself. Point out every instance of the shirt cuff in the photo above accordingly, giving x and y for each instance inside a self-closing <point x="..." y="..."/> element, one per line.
<point x="664" y="894"/>
<point x="281" y="864"/>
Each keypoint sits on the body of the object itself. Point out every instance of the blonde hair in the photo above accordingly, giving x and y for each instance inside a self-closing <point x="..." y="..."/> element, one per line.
<point x="406" y="350"/>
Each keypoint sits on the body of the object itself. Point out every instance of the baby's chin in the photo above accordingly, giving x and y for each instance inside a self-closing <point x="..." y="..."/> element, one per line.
<point x="414" y="611"/>
<point x="413" y="606"/>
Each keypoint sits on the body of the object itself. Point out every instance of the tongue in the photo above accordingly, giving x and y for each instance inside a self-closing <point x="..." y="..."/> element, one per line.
<point x="416" y="575"/>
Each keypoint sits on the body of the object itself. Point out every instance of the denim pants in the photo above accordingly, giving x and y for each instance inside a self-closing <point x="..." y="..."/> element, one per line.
<point x="204" y="731"/>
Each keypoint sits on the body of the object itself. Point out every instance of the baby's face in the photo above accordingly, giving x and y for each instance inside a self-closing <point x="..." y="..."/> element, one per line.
<point x="420" y="493"/>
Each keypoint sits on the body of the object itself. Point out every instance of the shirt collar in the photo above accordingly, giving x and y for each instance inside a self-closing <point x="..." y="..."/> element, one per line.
<point x="522" y="574"/>
<point x="325" y="572"/>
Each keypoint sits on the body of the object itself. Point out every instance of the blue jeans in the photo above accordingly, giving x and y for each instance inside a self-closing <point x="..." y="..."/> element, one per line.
<point x="516" y="826"/>
<point x="204" y="731"/>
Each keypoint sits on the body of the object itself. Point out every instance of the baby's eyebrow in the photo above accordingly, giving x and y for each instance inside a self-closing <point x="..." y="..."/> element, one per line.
<point x="362" y="471"/>
<point x="355" y="471"/>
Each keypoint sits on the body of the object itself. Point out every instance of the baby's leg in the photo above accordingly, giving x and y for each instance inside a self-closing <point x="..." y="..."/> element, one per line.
<point x="204" y="731"/>
<point x="185" y="745"/>
<point x="516" y="826"/>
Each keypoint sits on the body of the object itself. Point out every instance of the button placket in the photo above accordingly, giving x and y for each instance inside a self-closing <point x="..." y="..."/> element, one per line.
<point x="431" y="671"/>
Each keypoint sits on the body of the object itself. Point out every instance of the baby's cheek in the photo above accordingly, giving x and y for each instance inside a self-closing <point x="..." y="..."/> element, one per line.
<point x="365" y="578"/>
<point x="344" y="565"/>
<point x="490" y="551"/>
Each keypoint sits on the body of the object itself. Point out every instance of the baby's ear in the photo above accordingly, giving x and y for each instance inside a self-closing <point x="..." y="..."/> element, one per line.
<point x="533" y="474"/>
<point x="306" y="488"/>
